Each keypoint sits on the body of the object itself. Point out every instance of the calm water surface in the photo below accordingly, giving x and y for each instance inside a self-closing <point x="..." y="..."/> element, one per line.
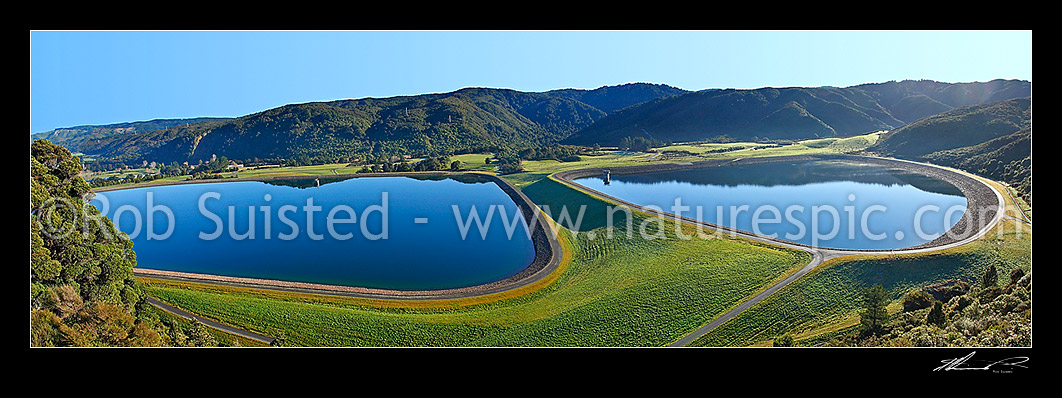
<point x="834" y="204"/>
<point x="381" y="232"/>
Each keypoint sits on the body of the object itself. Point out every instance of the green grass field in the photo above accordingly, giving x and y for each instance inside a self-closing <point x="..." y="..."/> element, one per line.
<point x="753" y="149"/>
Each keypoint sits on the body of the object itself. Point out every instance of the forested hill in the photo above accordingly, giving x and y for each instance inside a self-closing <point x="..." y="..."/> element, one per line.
<point x="463" y="120"/>
<point x="72" y="137"/>
<point x="993" y="140"/>
<point x="793" y="113"/>
<point x="961" y="127"/>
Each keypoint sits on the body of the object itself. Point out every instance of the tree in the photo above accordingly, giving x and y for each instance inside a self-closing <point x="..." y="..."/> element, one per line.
<point x="874" y="313"/>
<point x="509" y="164"/>
<point x="82" y="289"/>
<point x="280" y="340"/>
<point x="199" y="335"/>
<point x="990" y="278"/>
<point x="936" y="314"/>
<point x="785" y="340"/>
<point x="640" y="144"/>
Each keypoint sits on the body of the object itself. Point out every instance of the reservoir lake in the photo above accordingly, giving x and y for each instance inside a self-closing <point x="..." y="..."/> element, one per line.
<point x="385" y="232"/>
<point x="821" y="203"/>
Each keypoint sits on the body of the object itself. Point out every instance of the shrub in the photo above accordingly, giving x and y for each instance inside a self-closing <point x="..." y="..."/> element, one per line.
<point x="785" y="340"/>
<point x="1016" y="275"/>
<point x="917" y="300"/>
<point x="945" y="291"/>
<point x="936" y="315"/>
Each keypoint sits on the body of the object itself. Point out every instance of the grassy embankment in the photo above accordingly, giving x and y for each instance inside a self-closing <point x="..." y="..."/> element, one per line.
<point x="827" y="300"/>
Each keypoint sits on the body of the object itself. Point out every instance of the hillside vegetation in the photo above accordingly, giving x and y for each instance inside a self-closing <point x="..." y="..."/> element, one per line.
<point x="792" y="113"/>
<point x="463" y="121"/>
<point x="489" y="120"/>
<point x="993" y="140"/>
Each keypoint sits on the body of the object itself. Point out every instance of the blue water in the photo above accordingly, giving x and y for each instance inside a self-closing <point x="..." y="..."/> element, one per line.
<point x="418" y="245"/>
<point x="832" y="204"/>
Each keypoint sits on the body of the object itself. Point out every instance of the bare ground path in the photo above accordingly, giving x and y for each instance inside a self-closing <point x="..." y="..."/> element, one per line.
<point x="216" y="325"/>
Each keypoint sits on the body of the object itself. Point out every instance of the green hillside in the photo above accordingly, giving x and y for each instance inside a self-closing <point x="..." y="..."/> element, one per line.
<point x="488" y="120"/>
<point x="993" y="140"/>
<point x="792" y="113"/>
<point x="962" y="127"/>
<point x="1007" y="158"/>
<point x="462" y="121"/>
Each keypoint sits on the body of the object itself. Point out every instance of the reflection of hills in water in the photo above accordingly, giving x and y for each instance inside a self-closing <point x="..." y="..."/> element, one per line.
<point x="304" y="182"/>
<point x="311" y="182"/>
<point x="797" y="173"/>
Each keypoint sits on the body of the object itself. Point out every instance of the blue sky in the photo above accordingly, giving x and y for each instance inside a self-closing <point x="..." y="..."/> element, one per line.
<point x="100" y="77"/>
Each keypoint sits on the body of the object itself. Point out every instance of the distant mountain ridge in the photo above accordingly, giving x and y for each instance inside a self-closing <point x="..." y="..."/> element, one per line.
<point x="462" y="120"/>
<point x="793" y="112"/>
<point x="71" y="137"/>
<point x="474" y="119"/>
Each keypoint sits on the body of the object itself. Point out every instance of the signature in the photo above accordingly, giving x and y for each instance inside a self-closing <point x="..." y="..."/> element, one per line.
<point x="965" y="363"/>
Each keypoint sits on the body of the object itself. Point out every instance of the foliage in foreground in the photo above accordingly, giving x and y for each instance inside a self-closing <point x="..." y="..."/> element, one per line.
<point x="982" y="316"/>
<point x="82" y="289"/>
